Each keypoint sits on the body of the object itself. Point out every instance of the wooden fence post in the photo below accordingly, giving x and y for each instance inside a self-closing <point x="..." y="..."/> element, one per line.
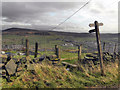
<point x="22" y="41"/>
<point x="36" y="49"/>
<point x="115" y="48"/>
<point x="27" y="47"/>
<point x="57" y="51"/>
<point x="114" y="51"/>
<point x="79" y="52"/>
<point x="109" y="48"/>
<point x="96" y="25"/>
<point x="104" y="45"/>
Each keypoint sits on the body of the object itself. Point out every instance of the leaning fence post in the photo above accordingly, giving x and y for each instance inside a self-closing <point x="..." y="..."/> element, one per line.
<point x="79" y="52"/>
<point x="57" y="51"/>
<point x="27" y="47"/>
<point x="36" y="49"/>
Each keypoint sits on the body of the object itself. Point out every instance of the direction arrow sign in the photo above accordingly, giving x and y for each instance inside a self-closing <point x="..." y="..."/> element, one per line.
<point x="92" y="25"/>
<point x="93" y="30"/>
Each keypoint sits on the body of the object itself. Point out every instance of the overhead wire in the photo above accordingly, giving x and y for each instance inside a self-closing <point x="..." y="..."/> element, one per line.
<point x="71" y="15"/>
<point x="74" y="14"/>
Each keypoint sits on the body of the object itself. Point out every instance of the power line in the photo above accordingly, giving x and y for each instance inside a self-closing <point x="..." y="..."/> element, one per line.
<point x="112" y="3"/>
<point x="72" y="14"/>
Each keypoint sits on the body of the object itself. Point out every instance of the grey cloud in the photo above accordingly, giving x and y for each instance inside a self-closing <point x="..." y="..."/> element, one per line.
<point x="37" y="13"/>
<point x="95" y="11"/>
<point x="25" y="10"/>
<point x="98" y="8"/>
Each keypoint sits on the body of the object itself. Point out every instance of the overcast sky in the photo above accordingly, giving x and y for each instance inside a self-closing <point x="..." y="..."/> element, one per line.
<point x="46" y="15"/>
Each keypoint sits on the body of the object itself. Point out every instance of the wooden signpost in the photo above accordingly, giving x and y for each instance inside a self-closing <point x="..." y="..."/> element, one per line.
<point x="96" y="30"/>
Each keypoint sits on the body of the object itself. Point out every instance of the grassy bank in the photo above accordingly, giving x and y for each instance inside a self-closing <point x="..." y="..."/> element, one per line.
<point x="48" y="76"/>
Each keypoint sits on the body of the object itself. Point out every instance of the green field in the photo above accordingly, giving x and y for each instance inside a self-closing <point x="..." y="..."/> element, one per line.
<point x="50" y="76"/>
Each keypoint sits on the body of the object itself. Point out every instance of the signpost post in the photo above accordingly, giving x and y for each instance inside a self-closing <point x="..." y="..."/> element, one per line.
<point x="96" y="30"/>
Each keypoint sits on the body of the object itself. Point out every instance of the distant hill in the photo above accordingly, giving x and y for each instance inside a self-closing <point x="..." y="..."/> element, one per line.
<point x="24" y="31"/>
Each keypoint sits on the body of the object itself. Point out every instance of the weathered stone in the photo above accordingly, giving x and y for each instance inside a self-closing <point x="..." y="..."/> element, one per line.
<point x="11" y="67"/>
<point x="15" y="60"/>
<point x="42" y="57"/>
<point x="69" y="65"/>
<point x="51" y="57"/>
<point x="28" y="58"/>
<point x="30" y="67"/>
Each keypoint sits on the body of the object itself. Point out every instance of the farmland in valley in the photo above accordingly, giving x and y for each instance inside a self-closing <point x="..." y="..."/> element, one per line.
<point x="48" y="75"/>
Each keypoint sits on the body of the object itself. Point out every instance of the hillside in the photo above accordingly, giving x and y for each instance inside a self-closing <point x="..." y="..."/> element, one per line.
<point x="47" y="71"/>
<point x="24" y="31"/>
<point x="49" y="76"/>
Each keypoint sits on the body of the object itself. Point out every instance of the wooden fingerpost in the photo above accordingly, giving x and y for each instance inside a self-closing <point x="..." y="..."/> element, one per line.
<point x="57" y="51"/>
<point x="96" y="25"/>
<point x="104" y="45"/>
<point x="79" y="52"/>
<point x="36" y="49"/>
<point x="27" y="47"/>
